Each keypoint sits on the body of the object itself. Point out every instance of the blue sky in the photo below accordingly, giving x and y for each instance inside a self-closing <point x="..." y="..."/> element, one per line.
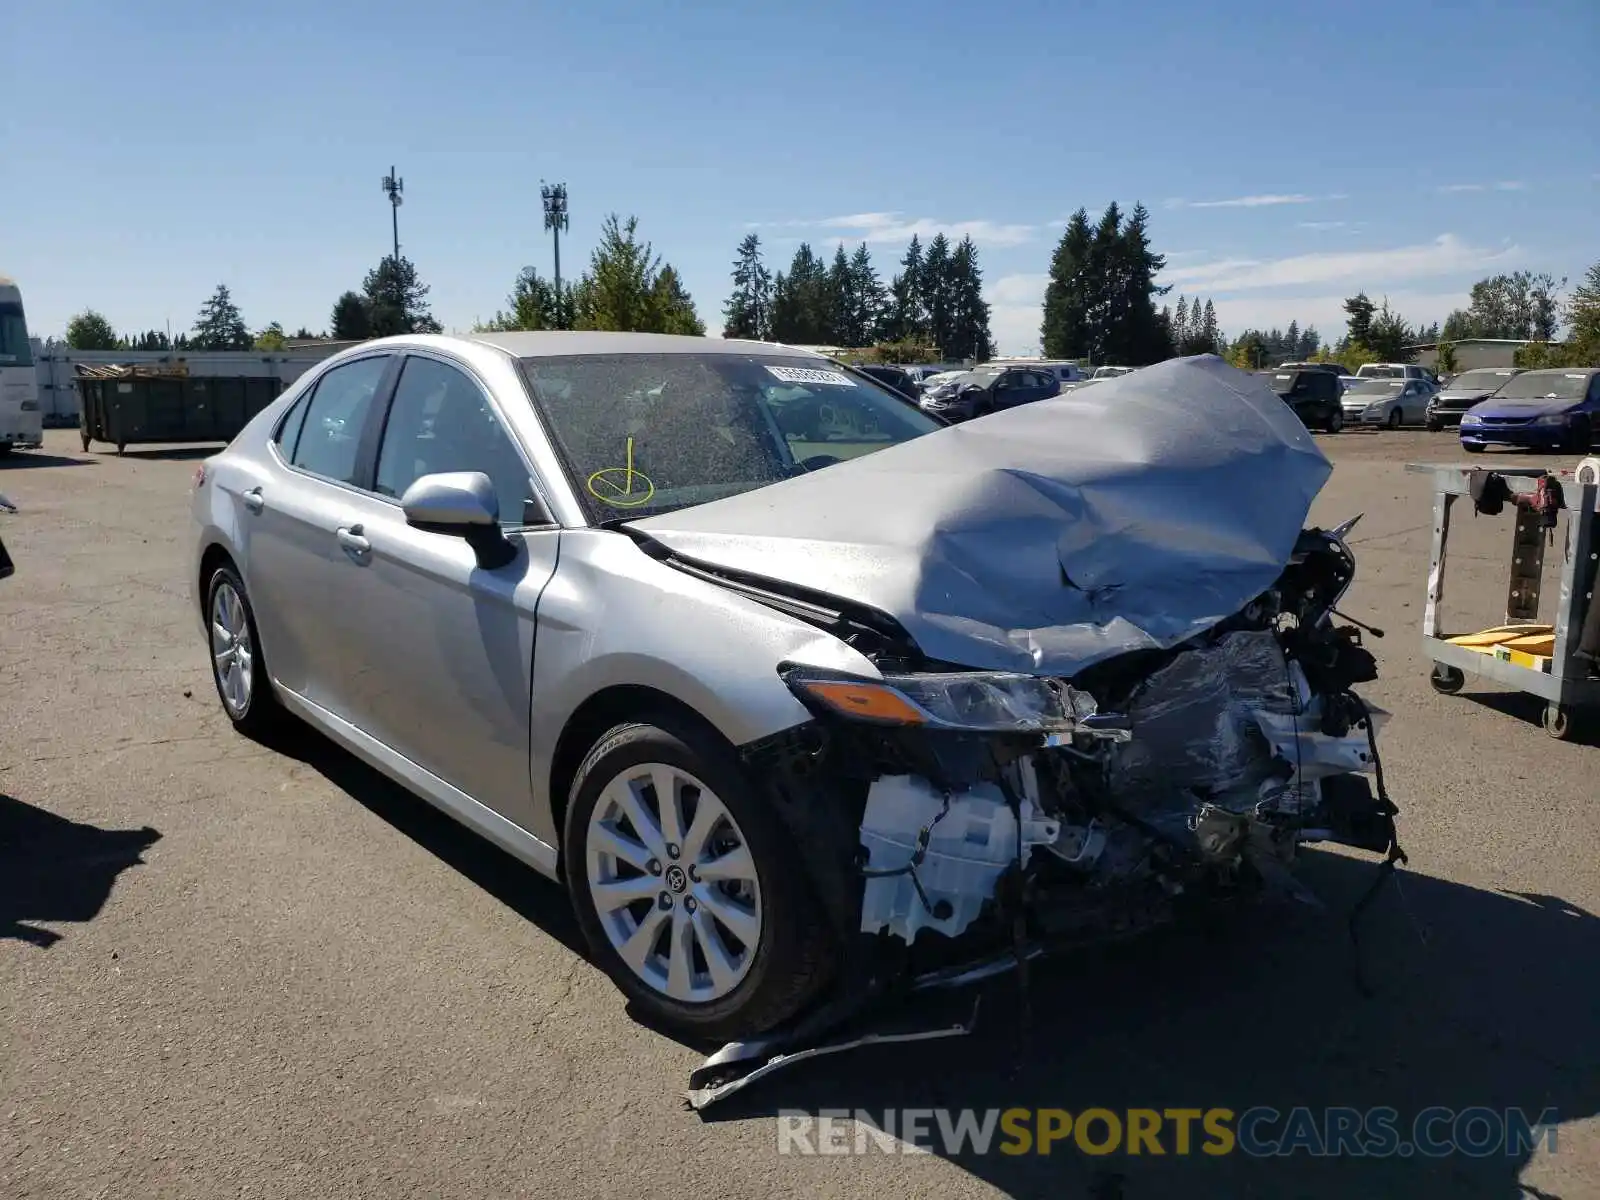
<point x="1289" y="154"/>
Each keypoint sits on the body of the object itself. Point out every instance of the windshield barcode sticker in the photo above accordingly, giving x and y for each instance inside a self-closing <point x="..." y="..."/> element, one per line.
<point x="811" y="375"/>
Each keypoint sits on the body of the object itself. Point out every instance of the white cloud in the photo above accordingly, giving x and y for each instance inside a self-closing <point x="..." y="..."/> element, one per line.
<point x="1262" y="201"/>
<point x="1320" y="225"/>
<point x="896" y="227"/>
<point x="1504" y="185"/>
<point x="1444" y="255"/>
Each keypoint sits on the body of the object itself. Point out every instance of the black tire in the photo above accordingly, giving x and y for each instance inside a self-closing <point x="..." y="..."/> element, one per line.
<point x="1447" y="680"/>
<point x="262" y="713"/>
<point x="1471" y="448"/>
<point x="1335" y="421"/>
<point x="1395" y="418"/>
<point x="794" y="954"/>
<point x="1579" y="437"/>
<point x="84" y="438"/>
<point x="5" y="449"/>
<point x="1434" y="427"/>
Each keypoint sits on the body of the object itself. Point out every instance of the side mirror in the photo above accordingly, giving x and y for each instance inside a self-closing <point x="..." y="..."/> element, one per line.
<point x="460" y="504"/>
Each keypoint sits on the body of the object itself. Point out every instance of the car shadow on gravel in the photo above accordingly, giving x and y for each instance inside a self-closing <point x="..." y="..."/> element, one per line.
<point x="1478" y="999"/>
<point x="165" y="453"/>
<point x="57" y="870"/>
<point x="516" y="885"/>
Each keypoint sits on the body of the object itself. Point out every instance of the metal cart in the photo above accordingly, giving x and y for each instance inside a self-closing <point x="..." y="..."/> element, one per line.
<point x="1569" y="682"/>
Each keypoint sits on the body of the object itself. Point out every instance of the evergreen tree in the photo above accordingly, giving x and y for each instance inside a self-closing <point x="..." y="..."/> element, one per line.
<point x="351" y="322"/>
<point x="748" y="313"/>
<point x="800" y="308"/>
<point x="672" y="309"/>
<point x="531" y="305"/>
<point x="937" y="294"/>
<point x="1138" y="335"/>
<point x="219" y="325"/>
<point x="1209" y="330"/>
<point x="969" y="312"/>
<point x="1359" y="310"/>
<point x="871" y="302"/>
<point x="1064" y="331"/>
<point x="396" y="299"/>
<point x="840" y="328"/>
<point x="908" y="319"/>
<point x="1180" y="326"/>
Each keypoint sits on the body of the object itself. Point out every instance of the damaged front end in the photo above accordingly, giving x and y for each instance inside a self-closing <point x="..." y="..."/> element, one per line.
<point x="950" y="814"/>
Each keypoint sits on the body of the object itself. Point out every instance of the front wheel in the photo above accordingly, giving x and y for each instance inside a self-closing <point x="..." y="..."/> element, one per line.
<point x="1579" y="438"/>
<point x="1335" y="421"/>
<point x="1394" y="418"/>
<point x="1434" y="427"/>
<point x="688" y="890"/>
<point x="1472" y="448"/>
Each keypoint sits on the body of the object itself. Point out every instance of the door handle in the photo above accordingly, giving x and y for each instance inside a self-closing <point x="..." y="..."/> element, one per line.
<point x="253" y="500"/>
<point x="354" y="544"/>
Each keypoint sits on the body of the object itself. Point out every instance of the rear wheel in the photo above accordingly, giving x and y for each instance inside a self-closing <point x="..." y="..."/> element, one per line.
<point x="1447" y="680"/>
<point x="237" y="667"/>
<point x="689" y="892"/>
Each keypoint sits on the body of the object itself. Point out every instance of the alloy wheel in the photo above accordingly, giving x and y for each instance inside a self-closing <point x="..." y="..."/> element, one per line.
<point x="673" y="883"/>
<point x="232" y="651"/>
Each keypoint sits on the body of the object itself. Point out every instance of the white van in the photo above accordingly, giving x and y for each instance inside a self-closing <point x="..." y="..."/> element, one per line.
<point x="21" y="422"/>
<point x="1395" y="371"/>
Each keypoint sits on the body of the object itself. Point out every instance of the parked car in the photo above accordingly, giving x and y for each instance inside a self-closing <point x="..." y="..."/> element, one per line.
<point x="1388" y="402"/>
<point x="1314" y="396"/>
<point x="1395" y="371"/>
<point x="1111" y="372"/>
<point x="929" y="382"/>
<point x="1463" y="391"/>
<point x="1539" y="410"/>
<point x="921" y="373"/>
<point x="653" y="615"/>
<point x="1332" y="368"/>
<point x="900" y="380"/>
<point x="985" y="390"/>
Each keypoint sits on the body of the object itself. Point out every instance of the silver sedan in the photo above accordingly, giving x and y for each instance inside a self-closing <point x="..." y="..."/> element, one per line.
<point x="772" y="668"/>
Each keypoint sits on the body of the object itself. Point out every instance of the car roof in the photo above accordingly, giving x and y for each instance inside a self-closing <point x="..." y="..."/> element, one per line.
<point x="548" y="343"/>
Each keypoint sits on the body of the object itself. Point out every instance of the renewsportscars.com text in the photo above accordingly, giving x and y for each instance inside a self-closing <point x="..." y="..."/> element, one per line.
<point x="1260" y="1132"/>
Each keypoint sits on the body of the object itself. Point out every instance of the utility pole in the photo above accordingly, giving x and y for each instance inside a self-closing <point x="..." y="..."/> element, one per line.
<point x="555" y="220"/>
<point x="393" y="185"/>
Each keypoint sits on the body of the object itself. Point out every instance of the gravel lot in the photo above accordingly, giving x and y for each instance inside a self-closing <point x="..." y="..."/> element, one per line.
<point x="230" y="970"/>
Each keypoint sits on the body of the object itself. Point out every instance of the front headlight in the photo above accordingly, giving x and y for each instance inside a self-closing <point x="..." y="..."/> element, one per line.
<point x="1551" y="419"/>
<point x="1373" y="412"/>
<point x="1469" y="419"/>
<point x="972" y="701"/>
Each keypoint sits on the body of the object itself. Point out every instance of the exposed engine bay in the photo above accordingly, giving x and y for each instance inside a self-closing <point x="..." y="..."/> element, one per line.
<point x="1161" y="778"/>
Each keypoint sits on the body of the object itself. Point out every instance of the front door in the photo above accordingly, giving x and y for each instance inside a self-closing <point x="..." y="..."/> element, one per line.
<point x="450" y="643"/>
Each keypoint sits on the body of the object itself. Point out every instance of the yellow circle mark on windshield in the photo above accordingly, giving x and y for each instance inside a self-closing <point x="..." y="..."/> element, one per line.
<point x="621" y="487"/>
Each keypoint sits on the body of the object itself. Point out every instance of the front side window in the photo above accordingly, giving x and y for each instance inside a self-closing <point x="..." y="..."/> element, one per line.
<point x="648" y="433"/>
<point x="330" y="437"/>
<point x="440" y="420"/>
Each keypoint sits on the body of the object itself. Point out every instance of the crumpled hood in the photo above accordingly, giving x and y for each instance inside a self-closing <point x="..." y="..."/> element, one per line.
<point x="1044" y="538"/>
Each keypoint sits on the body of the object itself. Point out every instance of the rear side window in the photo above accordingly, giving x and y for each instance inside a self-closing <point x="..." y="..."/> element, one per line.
<point x="331" y="435"/>
<point x="289" y="431"/>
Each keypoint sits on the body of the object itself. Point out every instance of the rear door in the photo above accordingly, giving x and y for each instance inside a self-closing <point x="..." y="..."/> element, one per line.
<point x="296" y="567"/>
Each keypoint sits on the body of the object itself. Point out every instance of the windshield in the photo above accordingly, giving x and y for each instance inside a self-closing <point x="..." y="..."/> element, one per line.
<point x="1484" y="380"/>
<point x="14" y="350"/>
<point x="1379" y="371"/>
<point x="1373" y="387"/>
<point x="643" y="434"/>
<point x="1545" y="385"/>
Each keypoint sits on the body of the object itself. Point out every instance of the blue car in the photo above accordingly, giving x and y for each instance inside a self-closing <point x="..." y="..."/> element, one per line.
<point x="1538" y="410"/>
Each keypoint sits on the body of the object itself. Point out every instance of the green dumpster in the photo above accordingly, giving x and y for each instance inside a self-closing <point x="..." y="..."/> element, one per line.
<point x="129" y="406"/>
